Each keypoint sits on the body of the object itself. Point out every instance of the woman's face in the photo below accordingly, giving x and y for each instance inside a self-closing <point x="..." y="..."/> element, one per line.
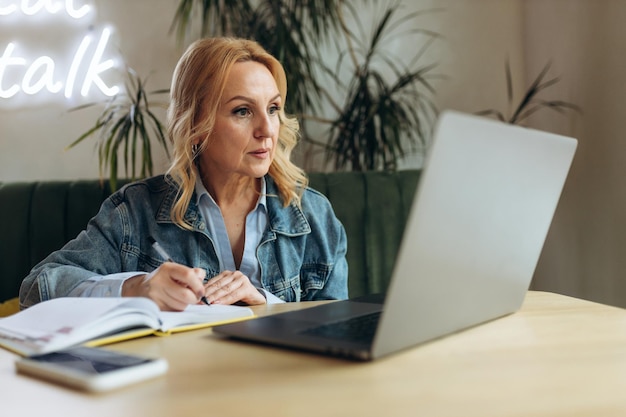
<point x="246" y="124"/>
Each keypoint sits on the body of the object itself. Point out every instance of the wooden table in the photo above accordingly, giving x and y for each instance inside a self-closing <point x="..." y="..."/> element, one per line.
<point x="558" y="356"/>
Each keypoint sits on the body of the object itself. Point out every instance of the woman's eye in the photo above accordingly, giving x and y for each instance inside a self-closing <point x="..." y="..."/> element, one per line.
<point x="274" y="109"/>
<point x="241" y="112"/>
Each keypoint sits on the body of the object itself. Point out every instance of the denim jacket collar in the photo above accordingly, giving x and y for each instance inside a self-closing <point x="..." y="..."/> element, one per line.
<point x="163" y="213"/>
<point x="289" y="220"/>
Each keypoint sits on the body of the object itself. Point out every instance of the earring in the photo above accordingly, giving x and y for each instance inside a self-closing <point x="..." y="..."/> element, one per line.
<point x="195" y="150"/>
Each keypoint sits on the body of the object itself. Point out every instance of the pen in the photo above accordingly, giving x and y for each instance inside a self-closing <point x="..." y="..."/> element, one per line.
<point x="167" y="257"/>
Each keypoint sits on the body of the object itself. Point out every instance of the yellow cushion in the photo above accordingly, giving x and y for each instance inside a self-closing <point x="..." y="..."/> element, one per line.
<point x="9" y="307"/>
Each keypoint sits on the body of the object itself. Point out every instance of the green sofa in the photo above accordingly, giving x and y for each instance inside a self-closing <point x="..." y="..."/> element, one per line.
<point x="37" y="218"/>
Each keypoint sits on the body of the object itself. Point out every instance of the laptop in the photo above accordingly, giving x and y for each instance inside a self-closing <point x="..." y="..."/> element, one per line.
<point x="473" y="237"/>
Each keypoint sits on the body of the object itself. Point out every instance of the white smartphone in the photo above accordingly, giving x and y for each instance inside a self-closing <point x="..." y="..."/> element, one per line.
<point x="91" y="369"/>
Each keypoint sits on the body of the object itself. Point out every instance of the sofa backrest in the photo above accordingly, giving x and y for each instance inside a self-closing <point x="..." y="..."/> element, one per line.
<point x="37" y="218"/>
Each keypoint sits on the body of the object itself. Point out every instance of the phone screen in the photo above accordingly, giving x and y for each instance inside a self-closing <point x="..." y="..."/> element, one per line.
<point x="89" y="360"/>
<point x="91" y="369"/>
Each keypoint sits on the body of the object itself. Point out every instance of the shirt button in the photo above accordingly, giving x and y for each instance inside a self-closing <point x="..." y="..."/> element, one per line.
<point x="202" y="226"/>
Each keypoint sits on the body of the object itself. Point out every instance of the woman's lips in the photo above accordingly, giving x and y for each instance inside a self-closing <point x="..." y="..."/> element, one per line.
<point x="260" y="153"/>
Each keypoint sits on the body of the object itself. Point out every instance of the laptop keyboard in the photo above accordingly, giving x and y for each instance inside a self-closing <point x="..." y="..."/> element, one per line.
<point x="358" y="329"/>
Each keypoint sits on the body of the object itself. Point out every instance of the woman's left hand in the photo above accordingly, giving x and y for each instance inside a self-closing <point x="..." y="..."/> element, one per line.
<point x="230" y="287"/>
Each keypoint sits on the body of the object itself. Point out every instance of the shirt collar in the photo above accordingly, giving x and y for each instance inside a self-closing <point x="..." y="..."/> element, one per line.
<point x="201" y="192"/>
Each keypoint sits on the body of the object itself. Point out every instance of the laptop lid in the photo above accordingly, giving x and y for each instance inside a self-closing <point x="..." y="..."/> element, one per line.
<point x="477" y="225"/>
<point x="481" y="214"/>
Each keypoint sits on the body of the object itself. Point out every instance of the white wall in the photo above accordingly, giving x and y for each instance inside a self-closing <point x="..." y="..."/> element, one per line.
<point x="584" y="255"/>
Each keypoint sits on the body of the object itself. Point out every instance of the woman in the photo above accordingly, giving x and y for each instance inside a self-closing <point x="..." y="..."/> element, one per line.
<point x="233" y="214"/>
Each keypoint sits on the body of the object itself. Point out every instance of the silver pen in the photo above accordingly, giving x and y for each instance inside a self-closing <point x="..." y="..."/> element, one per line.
<point x="168" y="258"/>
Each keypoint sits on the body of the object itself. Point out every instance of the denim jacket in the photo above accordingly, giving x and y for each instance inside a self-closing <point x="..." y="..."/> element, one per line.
<point x="302" y="254"/>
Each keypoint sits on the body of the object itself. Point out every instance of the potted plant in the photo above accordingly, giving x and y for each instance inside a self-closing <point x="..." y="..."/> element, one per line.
<point x="126" y="125"/>
<point x="388" y="105"/>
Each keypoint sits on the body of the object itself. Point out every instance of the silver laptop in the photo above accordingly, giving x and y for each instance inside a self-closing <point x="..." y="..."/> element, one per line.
<point x="477" y="226"/>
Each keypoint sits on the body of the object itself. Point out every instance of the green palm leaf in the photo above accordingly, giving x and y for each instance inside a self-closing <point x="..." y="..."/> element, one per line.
<point x="127" y="126"/>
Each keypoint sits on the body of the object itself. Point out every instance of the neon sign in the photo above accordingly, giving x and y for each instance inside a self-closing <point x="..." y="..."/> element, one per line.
<point x="49" y="6"/>
<point x="83" y="71"/>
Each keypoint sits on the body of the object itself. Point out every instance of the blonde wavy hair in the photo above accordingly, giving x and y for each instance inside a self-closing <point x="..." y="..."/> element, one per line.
<point x="196" y="92"/>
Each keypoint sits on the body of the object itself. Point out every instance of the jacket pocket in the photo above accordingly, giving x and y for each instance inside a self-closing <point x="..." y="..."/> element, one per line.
<point x="287" y="290"/>
<point x="312" y="279"/>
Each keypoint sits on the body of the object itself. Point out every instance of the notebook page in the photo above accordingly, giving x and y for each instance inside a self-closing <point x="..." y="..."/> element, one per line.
<point x="200" y="313"/>
<point x="66" y="314"/>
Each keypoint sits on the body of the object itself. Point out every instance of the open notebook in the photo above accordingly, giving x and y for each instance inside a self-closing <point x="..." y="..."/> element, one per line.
<point x="62" y="322"/>
<point x="477" y="226"/>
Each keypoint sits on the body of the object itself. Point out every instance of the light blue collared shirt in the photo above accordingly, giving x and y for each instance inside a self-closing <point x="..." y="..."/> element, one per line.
<point x="256" y="222"/>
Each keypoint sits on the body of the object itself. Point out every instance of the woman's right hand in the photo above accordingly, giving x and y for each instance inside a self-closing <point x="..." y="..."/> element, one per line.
<point x="171" y="286"/>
